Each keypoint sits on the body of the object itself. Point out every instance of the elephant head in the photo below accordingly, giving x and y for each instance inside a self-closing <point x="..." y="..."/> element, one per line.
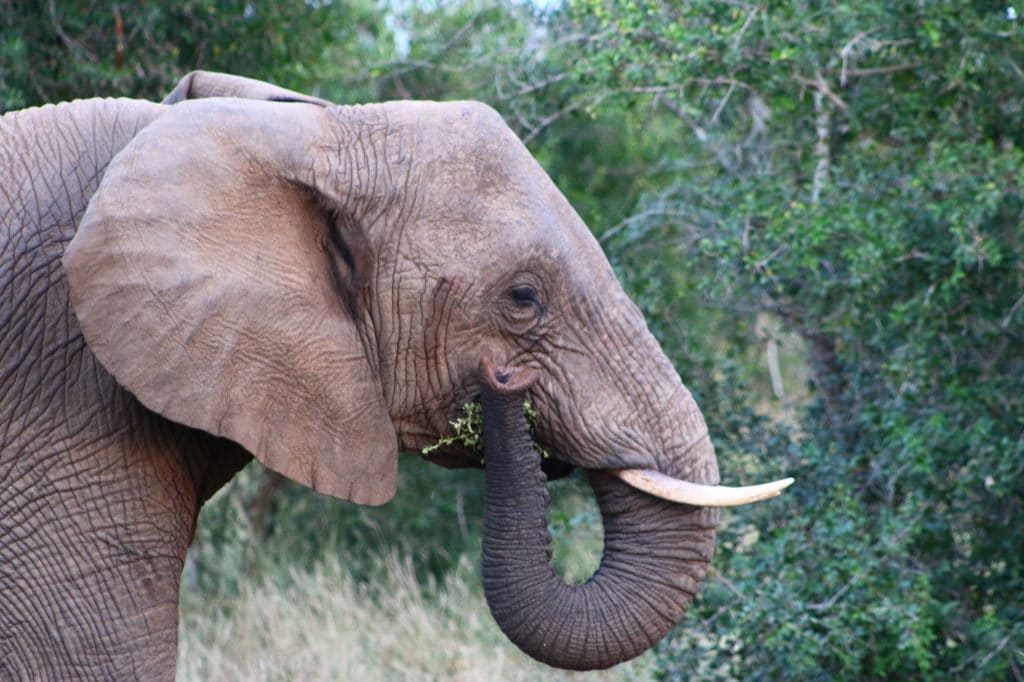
<point x="320" y="284"/>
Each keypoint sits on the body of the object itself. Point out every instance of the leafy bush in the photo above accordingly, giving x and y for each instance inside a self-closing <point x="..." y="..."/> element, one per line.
<point x="854" y="173"/>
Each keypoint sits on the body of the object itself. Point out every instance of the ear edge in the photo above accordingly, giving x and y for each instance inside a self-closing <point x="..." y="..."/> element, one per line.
<point x="201" y="84"/>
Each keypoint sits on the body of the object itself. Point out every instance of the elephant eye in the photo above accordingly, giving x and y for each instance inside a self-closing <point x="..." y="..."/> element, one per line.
<point x="524" y="295"/>
<point x="522" y="307"/>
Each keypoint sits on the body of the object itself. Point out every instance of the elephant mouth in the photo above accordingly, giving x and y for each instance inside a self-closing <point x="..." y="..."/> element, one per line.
<point x="654" y="483"/>
<point x="467" y="453"/>
<point x="455" y="454"/>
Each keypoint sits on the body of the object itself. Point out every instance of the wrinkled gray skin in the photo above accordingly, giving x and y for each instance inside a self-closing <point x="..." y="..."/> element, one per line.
<point x="186" y="285"/>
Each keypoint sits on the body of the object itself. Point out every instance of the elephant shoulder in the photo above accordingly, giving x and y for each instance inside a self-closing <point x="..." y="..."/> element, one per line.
<point x="52" y="158"/>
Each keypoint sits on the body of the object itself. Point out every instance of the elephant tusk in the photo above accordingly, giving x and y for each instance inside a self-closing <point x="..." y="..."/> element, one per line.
<point x="667" y="488"/>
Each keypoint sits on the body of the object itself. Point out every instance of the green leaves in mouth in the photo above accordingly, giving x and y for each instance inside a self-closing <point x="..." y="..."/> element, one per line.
<point x="468" y="430"/>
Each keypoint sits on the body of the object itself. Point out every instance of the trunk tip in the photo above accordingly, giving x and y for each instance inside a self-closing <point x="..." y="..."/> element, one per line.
<point x="506" y="380"/>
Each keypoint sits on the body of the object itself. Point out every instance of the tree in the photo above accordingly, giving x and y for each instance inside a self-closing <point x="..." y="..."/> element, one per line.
<point x="57" y="50"/>
<point x="854" y="172"/>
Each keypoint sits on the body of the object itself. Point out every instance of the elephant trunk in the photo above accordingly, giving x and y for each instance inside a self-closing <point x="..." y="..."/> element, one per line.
<point x="655" y="554"/>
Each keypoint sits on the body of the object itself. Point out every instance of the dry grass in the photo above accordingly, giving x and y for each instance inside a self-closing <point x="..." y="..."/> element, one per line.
<point x="325" y="625"/>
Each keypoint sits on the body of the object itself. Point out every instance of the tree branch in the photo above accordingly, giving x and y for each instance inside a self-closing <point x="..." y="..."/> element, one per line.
<point x="831" y="601"/>
<point x="876" y="70"/>
<point x="822" y="126"/>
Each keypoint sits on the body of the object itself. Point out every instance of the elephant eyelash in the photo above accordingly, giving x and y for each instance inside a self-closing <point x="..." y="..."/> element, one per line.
<point x="524" y="311"/>
<point x="525" y="295"/>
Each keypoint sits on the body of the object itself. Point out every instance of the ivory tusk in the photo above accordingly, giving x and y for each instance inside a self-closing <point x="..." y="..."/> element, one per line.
<point x="672" y="489"/>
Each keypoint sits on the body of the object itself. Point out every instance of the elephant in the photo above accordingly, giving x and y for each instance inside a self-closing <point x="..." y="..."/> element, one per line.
<point x="242" y="271"/>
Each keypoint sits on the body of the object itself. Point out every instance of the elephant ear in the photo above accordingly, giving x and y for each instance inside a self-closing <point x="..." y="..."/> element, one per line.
<point x="219" y="286"/>
<point x="202" y="84"/>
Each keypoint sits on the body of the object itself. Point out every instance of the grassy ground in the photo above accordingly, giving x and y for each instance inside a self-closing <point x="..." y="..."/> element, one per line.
<point x="326" y="625"/>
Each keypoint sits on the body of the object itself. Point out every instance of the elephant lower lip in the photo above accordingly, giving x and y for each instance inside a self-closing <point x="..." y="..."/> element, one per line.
<point x="555" y="468"/>
<point x="458" y="457"/>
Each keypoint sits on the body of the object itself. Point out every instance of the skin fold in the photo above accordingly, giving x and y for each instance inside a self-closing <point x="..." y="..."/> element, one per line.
<point x="249" y="272"/>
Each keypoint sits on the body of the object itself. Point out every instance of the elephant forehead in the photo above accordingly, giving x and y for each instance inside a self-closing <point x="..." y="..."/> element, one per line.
<point x="473" y="186"/>
<point x="466" y="147"/>
<point x="504" y="196"/>
<point x="452" y="132"/>
<point x="508" y="224"/>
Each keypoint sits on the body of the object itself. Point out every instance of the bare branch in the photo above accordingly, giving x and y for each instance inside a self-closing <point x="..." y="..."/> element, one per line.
<point x="831" y="601"/>
<point x="533" y="87"/>
<point x="746" y="24"/>
<point x="995" y="651"/>
<point x="821" y="85"/>
<point x="551" y="118"/>
<point x="721" y="104"/>
<point x="69" y="42"/>
<point x="877" y="70"/>
<point x="849" y="51"/>
<point x="712" y="572"/>
<point x="721" y="153"/>
<point x="642" y="216"/>
<point x="822" y="125"/>
<point x="1009" y="315"/>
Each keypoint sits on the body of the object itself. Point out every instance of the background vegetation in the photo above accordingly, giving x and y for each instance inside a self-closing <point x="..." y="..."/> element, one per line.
<point x="818" y="206"/>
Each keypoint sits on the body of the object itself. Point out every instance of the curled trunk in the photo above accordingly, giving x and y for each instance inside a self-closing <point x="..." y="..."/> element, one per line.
<point x="655" y="556"/>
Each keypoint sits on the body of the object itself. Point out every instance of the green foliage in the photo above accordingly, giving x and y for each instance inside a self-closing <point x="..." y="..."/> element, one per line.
<point x="855" y="173"/>
<point x="467" y="431"/>
<point x="62" y="50"/>
<point x="262" y="526"/>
